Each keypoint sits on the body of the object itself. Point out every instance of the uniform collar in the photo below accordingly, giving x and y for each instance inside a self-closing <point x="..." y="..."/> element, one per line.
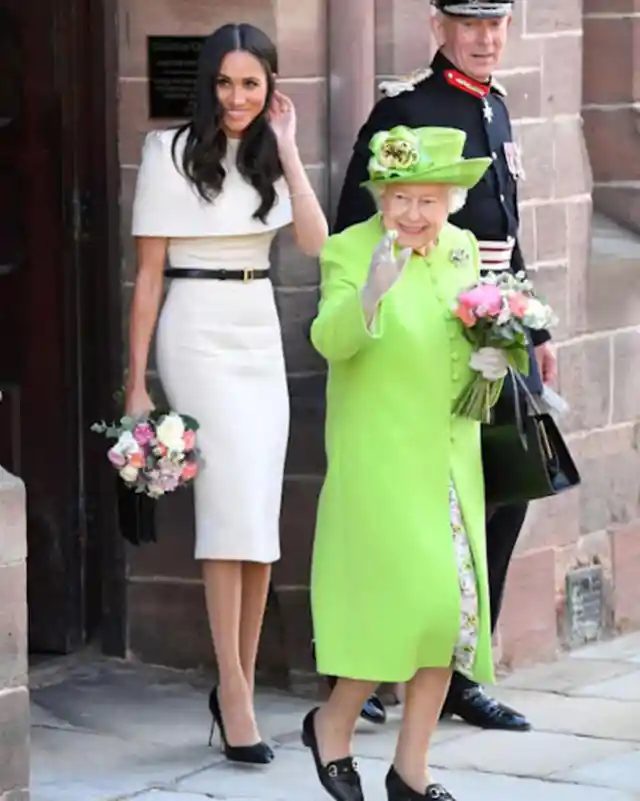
<point x="454" y="77"/>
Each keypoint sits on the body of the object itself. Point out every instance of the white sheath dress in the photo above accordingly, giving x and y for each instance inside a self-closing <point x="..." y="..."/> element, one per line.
<point x="219" y="349"/>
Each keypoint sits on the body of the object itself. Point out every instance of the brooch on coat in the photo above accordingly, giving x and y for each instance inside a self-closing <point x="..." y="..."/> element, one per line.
<point x="459" y="257"/>
<point x="404" y="83"/>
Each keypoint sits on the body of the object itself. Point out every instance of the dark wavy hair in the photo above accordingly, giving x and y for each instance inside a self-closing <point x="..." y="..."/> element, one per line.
<point x="206" y="142"/>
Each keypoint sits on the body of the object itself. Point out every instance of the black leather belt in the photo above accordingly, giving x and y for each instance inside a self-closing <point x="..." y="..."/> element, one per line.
<point x="220" y="275"/>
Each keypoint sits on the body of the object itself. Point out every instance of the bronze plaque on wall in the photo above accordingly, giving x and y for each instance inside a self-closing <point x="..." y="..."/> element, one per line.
<point x="172" y="65"/>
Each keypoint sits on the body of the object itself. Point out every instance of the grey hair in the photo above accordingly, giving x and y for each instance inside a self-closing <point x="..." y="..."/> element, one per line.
<point x="457" y="197"/>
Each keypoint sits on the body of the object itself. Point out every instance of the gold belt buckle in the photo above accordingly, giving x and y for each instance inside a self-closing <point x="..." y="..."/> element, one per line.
<point x="247" y="276"/>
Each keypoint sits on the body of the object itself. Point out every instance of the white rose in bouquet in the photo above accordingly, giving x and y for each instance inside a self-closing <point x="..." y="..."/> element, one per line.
<point x="129" y="473"/>
<point x="170" y="432"/>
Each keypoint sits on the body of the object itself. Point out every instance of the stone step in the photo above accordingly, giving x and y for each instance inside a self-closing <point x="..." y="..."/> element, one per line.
<point x="613" y="277"/>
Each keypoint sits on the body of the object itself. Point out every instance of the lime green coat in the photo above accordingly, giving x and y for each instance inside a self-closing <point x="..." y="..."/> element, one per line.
<point x="385" y="592"/>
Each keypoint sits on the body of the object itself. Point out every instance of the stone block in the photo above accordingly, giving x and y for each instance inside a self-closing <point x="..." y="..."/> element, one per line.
<point x="602" y="126"/>
<point x="608" y="80"/>
<point x="13" y="521"/>
<point x="584" y="380"/>
<point x="613" y="279"/>
<point x="306" y="453"/>
<point x="528" y="234"/>
<point x="626" y="376"/>
<point x="157" y="608"/>
<point x="572" y="172"/>
<point x="553" y="16"/>
<point x="310" y="99"/>
<point x="578" y="239"/>
<point x="625" y="551"/>
<point x="297" y="528"/>
<point x="295" y="615"/>
<point x="301" y="36"/>
<point x="537" y="153"/>
<point x="551" y="231"/>
<point x="527" y="623"/>
<point x="181" y="18"/>
<point x="398" y="49"/>
<point x="552" y="285"/>
<point x="620" y="203"/>
<point x="13" y="624"/>
<point x="524" y="98"/>
<point x="552" y="522"/>
<point x="561" y="84"/>
<point x="609" y="490"/>
<point x="14" y="739"/>
<point x="297" y="309"/>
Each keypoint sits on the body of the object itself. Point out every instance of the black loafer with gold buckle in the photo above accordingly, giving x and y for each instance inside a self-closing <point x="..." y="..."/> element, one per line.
<point x="339" y="778"/>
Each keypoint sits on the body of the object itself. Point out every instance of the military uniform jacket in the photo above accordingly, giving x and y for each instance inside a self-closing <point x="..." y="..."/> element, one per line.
<point x="491" y="210"/>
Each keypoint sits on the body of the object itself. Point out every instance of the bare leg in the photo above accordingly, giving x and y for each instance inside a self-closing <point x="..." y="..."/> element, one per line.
<point x="336" y="720"/>
<point x="223" y="592"/>
<point x="424" y="697"/>
<point x="255" y="588"/>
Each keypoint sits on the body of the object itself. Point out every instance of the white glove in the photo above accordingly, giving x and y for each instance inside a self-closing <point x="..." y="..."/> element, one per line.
<point x="491" y="362"/>
<point x="384" y="271"/>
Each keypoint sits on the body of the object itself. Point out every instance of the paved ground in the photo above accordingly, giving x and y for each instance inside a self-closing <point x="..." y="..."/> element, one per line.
<point x="104" y="731"/>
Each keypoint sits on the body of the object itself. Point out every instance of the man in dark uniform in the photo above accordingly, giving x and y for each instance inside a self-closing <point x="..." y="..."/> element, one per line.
<point x="458" y="91"/>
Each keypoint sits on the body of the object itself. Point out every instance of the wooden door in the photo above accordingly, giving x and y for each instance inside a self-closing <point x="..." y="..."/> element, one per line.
<point x="40" y="310"/>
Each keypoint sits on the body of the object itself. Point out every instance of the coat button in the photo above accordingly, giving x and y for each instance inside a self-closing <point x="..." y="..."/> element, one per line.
<point x="455" y="357"/>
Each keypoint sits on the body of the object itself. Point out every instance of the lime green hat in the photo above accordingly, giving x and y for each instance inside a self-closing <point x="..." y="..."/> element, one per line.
<point x="422" y="156"/>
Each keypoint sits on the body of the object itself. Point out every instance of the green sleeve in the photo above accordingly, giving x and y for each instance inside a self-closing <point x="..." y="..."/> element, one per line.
<point x="340" y="329"/>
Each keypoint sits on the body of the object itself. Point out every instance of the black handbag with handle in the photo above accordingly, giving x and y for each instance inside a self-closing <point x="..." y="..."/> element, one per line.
<point x="525" y="457"/>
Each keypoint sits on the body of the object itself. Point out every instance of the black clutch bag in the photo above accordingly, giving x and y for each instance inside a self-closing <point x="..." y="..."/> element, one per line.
<point x="136" y="515"/>
<point x="525" y="457"/>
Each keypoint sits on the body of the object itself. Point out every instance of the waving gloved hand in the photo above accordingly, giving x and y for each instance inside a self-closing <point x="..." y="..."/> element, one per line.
<point x="492" y="363"/>
<point x="384" y="271"/>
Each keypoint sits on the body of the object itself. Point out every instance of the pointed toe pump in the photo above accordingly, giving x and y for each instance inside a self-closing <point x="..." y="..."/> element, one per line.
<point x="257" y="754"/>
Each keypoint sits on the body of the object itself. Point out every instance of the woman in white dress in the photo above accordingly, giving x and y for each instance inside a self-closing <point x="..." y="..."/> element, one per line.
<point x="210" y="197"/>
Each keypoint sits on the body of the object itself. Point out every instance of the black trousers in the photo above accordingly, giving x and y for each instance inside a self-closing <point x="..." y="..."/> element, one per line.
<point x="503" y="528"/>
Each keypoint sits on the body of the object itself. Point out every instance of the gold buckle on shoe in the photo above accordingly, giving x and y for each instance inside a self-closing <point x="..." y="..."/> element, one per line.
<point x="247" y="276"/>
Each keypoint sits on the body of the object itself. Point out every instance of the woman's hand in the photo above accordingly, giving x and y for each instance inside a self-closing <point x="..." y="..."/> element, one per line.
<point x="386" y="266"/>
<point x="282" y="118"/>
<point x="137" y="401"/>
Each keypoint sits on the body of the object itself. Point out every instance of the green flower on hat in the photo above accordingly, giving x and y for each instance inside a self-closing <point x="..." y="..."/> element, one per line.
<point x="395" y="153"/>
<point x="423" y="155"/>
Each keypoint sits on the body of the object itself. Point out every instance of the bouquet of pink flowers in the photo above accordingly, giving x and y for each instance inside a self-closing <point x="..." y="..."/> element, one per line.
<point x="154" y="454"/>
<point x="495" y="314"/>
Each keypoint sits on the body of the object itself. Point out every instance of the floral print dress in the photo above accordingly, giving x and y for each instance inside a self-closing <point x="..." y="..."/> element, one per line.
<point x="464" y="654"/>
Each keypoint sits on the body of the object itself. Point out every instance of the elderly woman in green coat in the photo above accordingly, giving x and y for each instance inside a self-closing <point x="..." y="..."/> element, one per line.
<point x="399" y="577"/>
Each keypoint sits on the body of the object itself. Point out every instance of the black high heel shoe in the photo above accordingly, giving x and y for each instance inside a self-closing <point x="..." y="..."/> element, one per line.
<point x="399" y="790"/>
<point x="258" y="754"/>
<point x="339" y="778"/>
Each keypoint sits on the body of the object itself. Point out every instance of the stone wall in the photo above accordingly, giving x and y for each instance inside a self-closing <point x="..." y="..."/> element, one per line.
<point x="553" y="599"/>
<point x="612" y="106"/>
<point x="14" y="693"/>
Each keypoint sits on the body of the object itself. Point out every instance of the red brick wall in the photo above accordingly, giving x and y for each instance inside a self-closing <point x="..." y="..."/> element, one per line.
<point x="611" y="106"/>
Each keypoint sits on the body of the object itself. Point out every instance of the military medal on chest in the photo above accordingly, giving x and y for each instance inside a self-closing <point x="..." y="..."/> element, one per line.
<point x="487" y="111"/>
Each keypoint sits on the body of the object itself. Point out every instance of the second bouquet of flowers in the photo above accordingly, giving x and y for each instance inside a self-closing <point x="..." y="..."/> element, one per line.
<point x="495" y="314"/>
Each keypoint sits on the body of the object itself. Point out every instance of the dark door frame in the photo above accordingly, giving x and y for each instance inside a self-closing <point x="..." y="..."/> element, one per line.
<point x="97" y="197"/>
<point x="87" y="33"/>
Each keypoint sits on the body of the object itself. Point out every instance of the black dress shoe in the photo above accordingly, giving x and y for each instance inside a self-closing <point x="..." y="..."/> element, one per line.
<point x="476" y="708"/>
<point x="399" y="790"/>
<point x="339" y="778"/>
<point x="257" y="754"/>
<point x="373" y="709"/>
